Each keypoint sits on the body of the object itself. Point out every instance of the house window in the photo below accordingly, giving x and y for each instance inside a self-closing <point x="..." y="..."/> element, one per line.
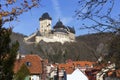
<point x="86" y="65"/>
<point x="78" y="65"/>
<point x="62" y="68"/>
<point x="28" y="64"/>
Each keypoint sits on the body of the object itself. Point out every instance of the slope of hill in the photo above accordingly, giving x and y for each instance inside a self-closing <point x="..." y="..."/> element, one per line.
<point x="86" y="47"/>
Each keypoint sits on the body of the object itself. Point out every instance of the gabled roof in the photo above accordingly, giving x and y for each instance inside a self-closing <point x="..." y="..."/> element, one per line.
<point x="77" y="75"/>
<point x="70" y="66"/>
<point x="33" y="63"/>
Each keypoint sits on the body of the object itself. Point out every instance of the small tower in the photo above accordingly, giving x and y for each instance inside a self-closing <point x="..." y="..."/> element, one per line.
<point x="45" y="24"/>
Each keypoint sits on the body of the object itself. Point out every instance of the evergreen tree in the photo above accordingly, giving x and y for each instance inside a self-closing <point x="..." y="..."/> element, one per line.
<point x="22" y="73"/>
<point x="7" y="53"/>
<point x="9" y="10"/>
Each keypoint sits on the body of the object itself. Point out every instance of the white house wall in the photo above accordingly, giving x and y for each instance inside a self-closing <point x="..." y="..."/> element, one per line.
<point x="35" y="77"/>
<point x="77" y="75"/>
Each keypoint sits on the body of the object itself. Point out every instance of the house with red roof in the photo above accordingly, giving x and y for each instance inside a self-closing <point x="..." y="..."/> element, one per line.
<point x="62" y="70"/>
<point x="40" y="69"/>
<point x="35" y="65"/>
<point x="69" y="67"/>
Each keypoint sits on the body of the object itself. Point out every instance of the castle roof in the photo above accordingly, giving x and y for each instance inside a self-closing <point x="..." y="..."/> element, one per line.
<point x="72" y="30"/>
<point x="59" y="24"/>
<point x="45" y="16"/>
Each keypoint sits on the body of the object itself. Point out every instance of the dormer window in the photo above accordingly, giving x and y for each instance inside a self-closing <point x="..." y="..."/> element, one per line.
<point x="28" y="64"/>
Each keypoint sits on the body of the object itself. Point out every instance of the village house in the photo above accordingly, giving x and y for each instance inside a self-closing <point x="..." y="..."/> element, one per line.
<point x="63" y="71"/>
<point x="40" y="69"/>
<point x="35" y="65"/>
<point x="86" y="69"/>
<point x="72" y="65"/>
<point x="103" y="72"/>
<point x="69" y="68"/>
<point x="108" y="72"/>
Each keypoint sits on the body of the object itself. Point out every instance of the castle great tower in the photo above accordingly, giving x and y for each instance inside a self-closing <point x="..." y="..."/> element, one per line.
<point x="45" y="24"/>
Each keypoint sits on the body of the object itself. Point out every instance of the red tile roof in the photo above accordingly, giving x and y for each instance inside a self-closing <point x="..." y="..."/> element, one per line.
<point x="118" y="73"/>
<point x="70" y="66"/>
<point x="35" y="64"/>
<point x="110" y="73"/>
<point x="83" y="63"/>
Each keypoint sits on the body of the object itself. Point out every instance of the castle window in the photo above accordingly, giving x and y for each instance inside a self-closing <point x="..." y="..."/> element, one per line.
<point x="48" y="25"/>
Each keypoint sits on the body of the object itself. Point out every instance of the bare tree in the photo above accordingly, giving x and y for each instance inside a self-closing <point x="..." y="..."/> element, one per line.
<point x="10" y="9"/>
<point x="102" y="16"/>
<point x="100" y="13"/>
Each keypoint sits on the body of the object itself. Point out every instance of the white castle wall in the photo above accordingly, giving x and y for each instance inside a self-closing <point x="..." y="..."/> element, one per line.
<point x="55" y="38"/>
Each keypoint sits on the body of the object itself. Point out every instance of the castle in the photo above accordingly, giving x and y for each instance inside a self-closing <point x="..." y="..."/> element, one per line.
<point x="59" y="33"/>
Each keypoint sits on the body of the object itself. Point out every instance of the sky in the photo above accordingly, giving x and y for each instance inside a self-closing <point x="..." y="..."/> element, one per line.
<point x="28" y="22"/>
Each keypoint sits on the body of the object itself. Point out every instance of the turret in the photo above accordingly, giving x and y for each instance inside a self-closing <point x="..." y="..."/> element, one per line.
<point x="45" y="24"/>
<point x="59" y="24"/>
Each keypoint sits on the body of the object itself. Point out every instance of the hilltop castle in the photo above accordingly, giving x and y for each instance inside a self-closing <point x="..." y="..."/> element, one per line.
<point x="59" y="33"/>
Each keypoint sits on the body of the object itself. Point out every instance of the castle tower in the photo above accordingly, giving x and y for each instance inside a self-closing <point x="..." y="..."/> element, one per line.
<point x="45" y="24"/>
